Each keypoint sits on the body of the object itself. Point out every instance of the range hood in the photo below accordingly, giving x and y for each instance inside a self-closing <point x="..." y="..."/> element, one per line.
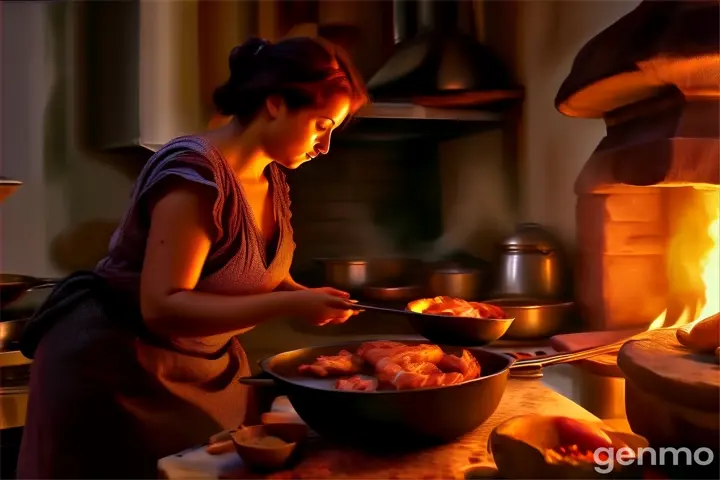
<point x="147" y="67"/>
<point x="436" y="64"/>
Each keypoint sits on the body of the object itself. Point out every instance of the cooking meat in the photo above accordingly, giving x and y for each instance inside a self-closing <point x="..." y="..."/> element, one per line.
<point x="399" y="377"/>
<point x="456" y="307"/>
<point x="467" y="365"/>
<point x="412" y="366"/>
<point x="400" y="353"/>
<point x="356" y="383"/>
<point x="396" y="366"/>
<point x="377" y="345"/>
<point x="344" y="363"/>
<point x="488" y="311"/>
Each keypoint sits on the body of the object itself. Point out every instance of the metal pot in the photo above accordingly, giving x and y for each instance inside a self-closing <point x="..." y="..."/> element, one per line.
<point x="392" y="293"/>
<point x="534" y="318"/>
<point x="531" y="264"/>
<point x="353" y="274"/>
<point x="455" y="282"/>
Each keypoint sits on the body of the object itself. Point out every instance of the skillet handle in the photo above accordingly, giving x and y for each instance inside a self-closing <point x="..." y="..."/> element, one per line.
<point x="567" y="357"/>
<point x="257" y="382"/>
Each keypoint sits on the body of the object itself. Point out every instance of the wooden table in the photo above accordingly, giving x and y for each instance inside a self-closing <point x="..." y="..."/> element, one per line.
<point x="324" y="460"/>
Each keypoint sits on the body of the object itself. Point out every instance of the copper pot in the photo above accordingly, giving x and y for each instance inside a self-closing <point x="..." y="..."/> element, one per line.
<point x="458" y="282"/>
<point x="535" y="318"/>
<point x="354" y="274"/>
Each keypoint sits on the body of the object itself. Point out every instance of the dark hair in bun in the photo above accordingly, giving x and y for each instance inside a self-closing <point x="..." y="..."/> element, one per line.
<point x="303" y="71"/>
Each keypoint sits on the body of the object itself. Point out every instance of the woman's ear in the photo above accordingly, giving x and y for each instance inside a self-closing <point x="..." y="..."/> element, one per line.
<point x="274" y="105"/>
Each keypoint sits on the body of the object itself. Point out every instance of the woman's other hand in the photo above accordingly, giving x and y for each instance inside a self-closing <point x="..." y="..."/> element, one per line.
<point x="322" y="306"/>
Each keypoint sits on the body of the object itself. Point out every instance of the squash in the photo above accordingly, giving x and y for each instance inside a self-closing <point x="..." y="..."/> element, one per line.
<point x="701" y="337"/>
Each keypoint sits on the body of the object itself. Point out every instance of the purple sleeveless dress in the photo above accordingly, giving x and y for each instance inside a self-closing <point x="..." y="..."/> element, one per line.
<point x="107" y="399"/>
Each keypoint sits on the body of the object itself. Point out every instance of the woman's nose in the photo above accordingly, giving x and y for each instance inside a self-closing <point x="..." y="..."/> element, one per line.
<point x="323" y="146"/>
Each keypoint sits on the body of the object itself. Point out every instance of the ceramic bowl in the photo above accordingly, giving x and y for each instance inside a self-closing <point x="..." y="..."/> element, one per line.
<point x="257" y="456"/>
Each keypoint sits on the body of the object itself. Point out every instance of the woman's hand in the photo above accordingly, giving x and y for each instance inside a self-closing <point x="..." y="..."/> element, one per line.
<point x="322" y="306"/>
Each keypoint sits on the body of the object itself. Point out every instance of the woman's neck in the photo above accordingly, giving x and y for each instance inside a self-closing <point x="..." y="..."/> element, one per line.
<point x="240" y="146"/>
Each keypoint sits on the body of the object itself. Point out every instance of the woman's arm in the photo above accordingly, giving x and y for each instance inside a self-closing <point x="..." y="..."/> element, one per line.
<point x="290" y="285"/>
<point x="177" y="247"/>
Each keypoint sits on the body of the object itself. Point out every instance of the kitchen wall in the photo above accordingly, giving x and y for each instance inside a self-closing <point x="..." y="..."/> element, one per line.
<point x="56" y="222"/>
<point x="365" y="199"/>
<point x="72" y="197"/>
<point x="479" y="207"/>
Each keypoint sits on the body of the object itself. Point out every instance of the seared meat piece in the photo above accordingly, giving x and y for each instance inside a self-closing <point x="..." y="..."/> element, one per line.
<point x="373" y="352"/>
<point x="467" y="365"/>
<point x="407" y="366"/>
<point x="456" y="307"/>
<point x="397" y="376"/>
<point x="397" y="366"/>
<point x="357" y="383"/>
<point x="344" y="363"/>
<point x="378" y="345"/>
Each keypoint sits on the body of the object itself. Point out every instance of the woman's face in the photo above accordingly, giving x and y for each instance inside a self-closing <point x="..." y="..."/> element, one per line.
<point x="297" y="136"/>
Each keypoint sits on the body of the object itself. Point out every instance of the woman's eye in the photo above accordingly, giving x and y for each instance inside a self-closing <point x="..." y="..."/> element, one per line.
<point x="322" y="127"/>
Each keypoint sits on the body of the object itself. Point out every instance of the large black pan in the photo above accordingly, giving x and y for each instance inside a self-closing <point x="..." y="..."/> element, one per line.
<point x="406" y="417"/>
<point x="13" y="287"/>
<point x="450" y="330"/>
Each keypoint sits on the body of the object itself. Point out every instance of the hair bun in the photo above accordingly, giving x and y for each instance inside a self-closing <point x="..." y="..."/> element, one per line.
<point x="242" y="56"/>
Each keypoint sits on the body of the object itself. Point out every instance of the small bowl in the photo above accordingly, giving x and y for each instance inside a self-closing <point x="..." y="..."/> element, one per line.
<point x="457" y="331"/>
<point x="268" y="458"/>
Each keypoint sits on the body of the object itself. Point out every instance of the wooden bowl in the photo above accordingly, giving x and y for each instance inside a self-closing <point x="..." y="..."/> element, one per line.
<point x="257" y="456"/>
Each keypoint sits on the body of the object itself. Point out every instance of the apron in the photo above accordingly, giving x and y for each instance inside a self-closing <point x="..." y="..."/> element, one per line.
<point x="107" y="400"/>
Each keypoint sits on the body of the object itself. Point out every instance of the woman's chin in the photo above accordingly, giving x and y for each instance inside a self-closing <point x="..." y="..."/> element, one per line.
<point x="294" y="163"/>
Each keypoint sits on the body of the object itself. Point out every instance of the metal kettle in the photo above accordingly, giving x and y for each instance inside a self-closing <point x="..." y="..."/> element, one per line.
<point x="532" y="264"/>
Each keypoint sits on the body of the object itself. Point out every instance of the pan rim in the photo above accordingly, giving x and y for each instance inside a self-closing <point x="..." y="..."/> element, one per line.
<point x="510" y="361"/>
<point x="412" y="313"/>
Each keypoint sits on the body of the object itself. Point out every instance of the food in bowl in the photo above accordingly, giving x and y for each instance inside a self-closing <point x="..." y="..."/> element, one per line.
<point x="388" y="365"/>
<point x="561" y="447"/>
<point x="456" y="307"/>
<point x="268" y="447"/>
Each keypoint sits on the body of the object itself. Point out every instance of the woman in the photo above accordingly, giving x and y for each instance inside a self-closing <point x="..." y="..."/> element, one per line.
<point x="138" y="360"/>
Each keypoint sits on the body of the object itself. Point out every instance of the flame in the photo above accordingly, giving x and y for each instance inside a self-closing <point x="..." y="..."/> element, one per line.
<point x="694" y="263"/>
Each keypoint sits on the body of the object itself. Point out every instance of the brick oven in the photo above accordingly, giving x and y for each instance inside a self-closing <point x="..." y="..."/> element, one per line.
<point x="648" y="199"/>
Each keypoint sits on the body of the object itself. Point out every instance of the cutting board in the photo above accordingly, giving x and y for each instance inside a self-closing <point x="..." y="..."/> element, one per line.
<point x="324" y="460"/>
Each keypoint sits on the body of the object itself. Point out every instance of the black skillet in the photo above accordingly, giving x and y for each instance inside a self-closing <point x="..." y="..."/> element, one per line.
<point x="405" y="418"/>
<point x="449" y="330"/>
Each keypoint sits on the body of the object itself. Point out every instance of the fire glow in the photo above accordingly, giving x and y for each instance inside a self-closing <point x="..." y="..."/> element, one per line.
<point x="694" y="263"/>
